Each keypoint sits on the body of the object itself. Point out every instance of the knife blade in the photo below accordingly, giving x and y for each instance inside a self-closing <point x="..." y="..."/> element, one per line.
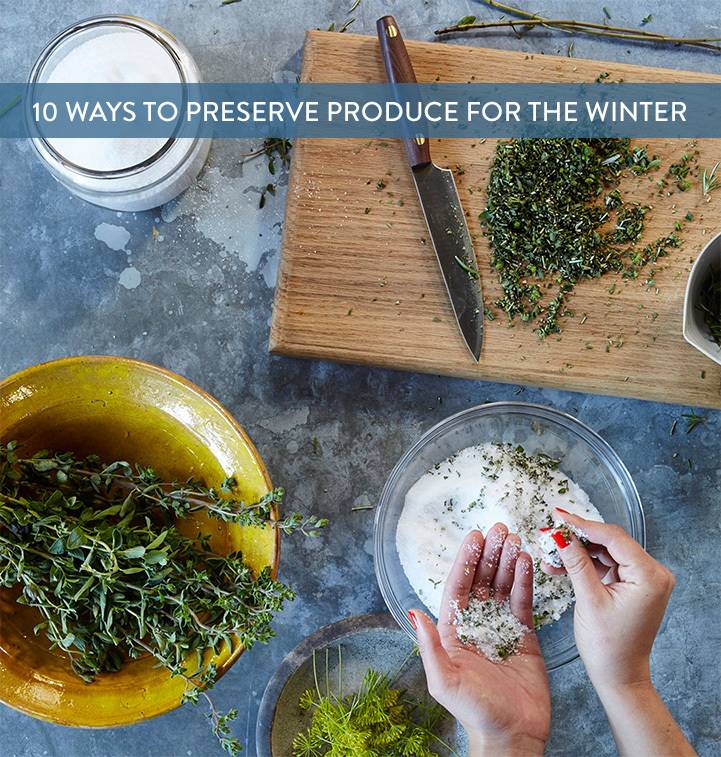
<point x="441" y="205"/>
<point x="452" y="243"/>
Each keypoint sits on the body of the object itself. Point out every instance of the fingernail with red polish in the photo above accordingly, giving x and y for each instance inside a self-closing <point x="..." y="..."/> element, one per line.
<point x="561" y="510"/>
<point x="412" y="618"/>
<point x="560" y="539"/>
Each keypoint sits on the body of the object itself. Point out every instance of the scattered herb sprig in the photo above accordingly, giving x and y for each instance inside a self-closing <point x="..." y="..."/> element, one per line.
<point x="525" y="20"/>
<point x="340" y="28"/>
<point x="693" y="420"/>
<point x="94" y="548"/>
<point x="710" y="181"/>
<point x="469" y="268"/>
<point x="276" y="151"/>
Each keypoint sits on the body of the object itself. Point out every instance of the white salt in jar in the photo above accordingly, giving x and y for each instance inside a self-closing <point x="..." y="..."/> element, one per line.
<point x="120" y="173"/>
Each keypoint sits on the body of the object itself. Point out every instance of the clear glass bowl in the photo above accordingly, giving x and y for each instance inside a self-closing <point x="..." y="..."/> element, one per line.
<point x="163" y="174"/>
<point x="585" y="458"/>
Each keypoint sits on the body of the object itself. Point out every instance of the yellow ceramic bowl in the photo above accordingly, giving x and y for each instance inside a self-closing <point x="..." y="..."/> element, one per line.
<point x="120" y="409"/>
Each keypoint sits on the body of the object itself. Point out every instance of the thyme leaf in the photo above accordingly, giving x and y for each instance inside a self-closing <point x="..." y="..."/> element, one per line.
<point x="709" y="180"/>
<point x="692" y="421"/>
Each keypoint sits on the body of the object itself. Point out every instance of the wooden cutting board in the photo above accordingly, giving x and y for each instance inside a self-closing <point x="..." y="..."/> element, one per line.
<point x="359" y="283"/>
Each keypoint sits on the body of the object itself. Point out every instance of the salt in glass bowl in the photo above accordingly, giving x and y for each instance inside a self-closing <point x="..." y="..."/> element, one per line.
<point x="584" y="457"/>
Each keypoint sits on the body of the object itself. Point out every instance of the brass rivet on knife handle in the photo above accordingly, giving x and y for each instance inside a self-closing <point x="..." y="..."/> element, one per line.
<point x="400" y="71"/>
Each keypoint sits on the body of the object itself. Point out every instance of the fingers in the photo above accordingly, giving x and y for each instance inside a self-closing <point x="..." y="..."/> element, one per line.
<point x="610" y="577"/>
<point x="488" y="565"/>
<point x="627" y="553"/>
<point x="522" y="602"/>
<point x="619" y="545"/>
<point x="436" y="663"/>
<point x="578" y="564"/>
<point x="503" y="580"/>
<point x="603" y="571"/>
<point x="522" y="590"/>
<point x="601" y="554"/>
<point x="460" y="580"/>
<point x="552" y="570"/>
<point x="630" y="561"/>
<point x="604" y="564"/>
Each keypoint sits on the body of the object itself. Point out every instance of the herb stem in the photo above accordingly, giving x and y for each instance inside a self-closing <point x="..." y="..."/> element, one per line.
<point x="10" y="105"/>
<point x="261" y="150"/>
<point x="470" y="270"/>
<point x="570" y="26"/>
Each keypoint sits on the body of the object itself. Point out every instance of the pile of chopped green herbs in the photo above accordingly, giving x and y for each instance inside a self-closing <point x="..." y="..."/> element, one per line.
<point x="94" y="548"/>
<point x="555" y="216"/>
<point x="681" y="170"/>
<point x="709" y="304"/>
<point x="376" y="721"/>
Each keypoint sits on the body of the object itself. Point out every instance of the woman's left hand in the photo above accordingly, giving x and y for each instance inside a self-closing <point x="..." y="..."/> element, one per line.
<point x="505" y="707"/>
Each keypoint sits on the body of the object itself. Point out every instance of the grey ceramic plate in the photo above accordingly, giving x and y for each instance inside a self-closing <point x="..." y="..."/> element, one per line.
<point x="366" y="641"/>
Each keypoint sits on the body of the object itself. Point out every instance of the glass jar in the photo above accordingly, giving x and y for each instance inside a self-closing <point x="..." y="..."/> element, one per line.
<point x="120" y="173"/>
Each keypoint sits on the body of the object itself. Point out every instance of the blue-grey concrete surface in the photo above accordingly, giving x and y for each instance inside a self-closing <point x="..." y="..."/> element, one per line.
<point x="192" y="290"/>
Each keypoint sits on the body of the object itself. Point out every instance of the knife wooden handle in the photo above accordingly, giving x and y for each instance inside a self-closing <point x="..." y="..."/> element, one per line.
<point x="400" y="71"/>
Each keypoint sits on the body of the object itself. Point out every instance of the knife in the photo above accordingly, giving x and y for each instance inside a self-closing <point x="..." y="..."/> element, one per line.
<point x="440" y="203"/>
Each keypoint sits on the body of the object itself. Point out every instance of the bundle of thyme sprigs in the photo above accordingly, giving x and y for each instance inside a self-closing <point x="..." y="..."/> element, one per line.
<point x="555" y="216"/>
<point x="95" y="549"/>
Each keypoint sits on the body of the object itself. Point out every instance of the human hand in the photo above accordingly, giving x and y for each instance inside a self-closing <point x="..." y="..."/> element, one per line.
<point x="505" y="707"/>
<point x="621" y="596"/>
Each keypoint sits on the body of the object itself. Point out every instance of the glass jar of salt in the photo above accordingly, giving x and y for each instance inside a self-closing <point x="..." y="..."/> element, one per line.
<point x="120" y="173"/>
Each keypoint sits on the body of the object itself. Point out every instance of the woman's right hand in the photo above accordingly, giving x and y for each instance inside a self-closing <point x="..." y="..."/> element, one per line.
<point x="621" y="596"/>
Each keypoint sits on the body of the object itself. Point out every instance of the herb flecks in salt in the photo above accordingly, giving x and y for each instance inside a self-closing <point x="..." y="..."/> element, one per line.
<point x="548" y="546"/>
<point x="490" y="627"/>
<point x="487" y="484"/>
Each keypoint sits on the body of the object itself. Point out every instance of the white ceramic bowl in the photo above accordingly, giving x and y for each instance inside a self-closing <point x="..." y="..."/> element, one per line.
<point x="695" y="331"/>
